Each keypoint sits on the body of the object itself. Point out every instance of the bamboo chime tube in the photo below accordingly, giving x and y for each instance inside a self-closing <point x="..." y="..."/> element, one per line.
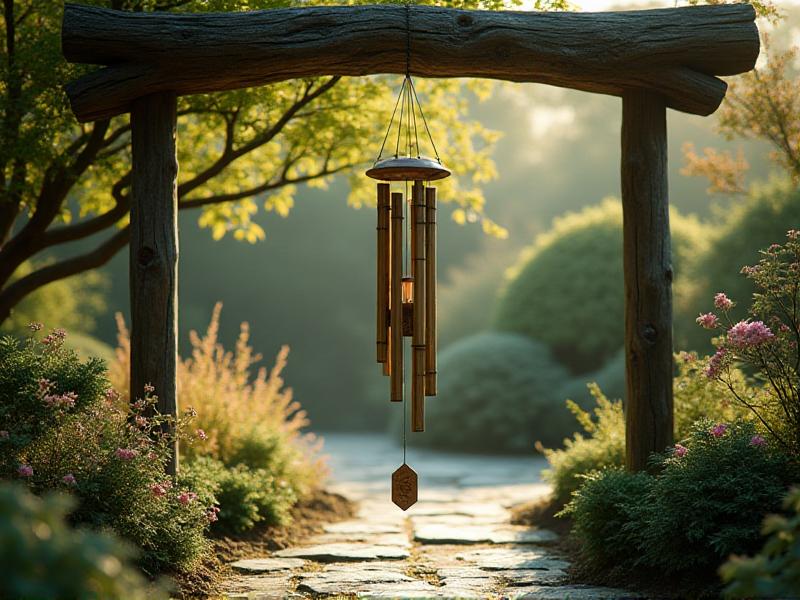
<point x="418" y="337"/>
<point x="430" y="289"/>
<point x="382" y="325"/>
<point x="396" y="291"/>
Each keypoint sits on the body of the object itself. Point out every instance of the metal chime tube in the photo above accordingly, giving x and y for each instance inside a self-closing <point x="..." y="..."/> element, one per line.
<point x="418" y="368"/>
<point x="382" y="294"/>
<point x="396" y="292"/>
<point x="430" y="290"/>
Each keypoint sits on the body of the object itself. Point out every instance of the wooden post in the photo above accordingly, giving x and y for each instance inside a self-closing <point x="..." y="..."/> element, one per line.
<point x="154" y="253"/>
<point x="648" y="278"/>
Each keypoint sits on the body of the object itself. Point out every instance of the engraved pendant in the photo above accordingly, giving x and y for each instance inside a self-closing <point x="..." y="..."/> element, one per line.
<point x="404" y="487"/>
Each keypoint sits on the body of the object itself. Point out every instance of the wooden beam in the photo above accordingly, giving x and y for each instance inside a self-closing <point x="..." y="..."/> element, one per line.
<point x="677" y="52"/>
<point x="154" y="253"/>
<point x="648" y="278"/>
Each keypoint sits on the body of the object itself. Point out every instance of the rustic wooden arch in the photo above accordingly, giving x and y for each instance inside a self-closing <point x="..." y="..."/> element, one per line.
<point x="652" y="59"/>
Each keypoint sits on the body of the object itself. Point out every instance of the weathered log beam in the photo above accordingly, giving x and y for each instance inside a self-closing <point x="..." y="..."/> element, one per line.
<point x="675" y="52"/>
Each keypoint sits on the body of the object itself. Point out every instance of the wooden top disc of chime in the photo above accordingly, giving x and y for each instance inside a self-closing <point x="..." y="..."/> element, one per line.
<point x="408" y="168"/>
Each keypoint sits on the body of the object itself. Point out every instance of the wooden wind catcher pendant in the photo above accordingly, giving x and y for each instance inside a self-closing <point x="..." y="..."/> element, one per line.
<point x="406" y="270"/>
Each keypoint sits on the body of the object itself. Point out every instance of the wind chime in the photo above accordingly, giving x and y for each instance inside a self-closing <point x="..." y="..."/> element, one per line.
<point x="406" y="286"/>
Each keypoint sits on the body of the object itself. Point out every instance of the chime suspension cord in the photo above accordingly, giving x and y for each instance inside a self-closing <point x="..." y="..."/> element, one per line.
<point x="425" y="122"/>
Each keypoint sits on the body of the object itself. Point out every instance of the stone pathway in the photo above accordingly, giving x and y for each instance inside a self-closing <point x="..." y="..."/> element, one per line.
<point x="456" y="542"/>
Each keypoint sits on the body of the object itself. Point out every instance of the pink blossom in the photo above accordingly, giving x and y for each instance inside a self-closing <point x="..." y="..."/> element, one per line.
<point x="719" y="430"/>
<point x="66" y="400"/>
<point x="212" y="514"/>
<point x="45" y="385"/>
<point x="4" y="435"/>
<point x="55" y="338"/>
<point x="159" y="490"/>
<point x="707" y="321"/>
<point x="126" y="453"/>
<point x="722" y="302"/>
<point x="793" y="234"/>
<point x="186" y="497"/>
<point x="201" y="434"/>
<point x="680" y="451"/>
<point x="111" y="395"/>
<point x="746" y="334"/>
<point x="715" y="364"/>
<point x="69" y="479"/>
<point x="758" y="441"/>
<point x="34" y="326"/>
<point x="149" y="388"/>
<point x="25" y="470"/>
<point x="141" y="421"/>
<point x="687" y="357"/>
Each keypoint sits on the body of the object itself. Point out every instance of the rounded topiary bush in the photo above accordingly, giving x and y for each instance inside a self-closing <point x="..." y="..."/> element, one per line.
<point x="497" y="392"/>
<point x="761" y="220"/>
<point x="610" y="378"/>
<point x="567" y="288"/>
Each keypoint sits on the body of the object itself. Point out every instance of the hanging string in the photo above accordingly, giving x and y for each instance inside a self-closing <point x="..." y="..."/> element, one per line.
<point x="425" y="121"/>
<point x="389" y="129"/>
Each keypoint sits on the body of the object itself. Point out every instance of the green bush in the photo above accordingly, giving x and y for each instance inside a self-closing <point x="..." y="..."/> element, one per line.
<point x="706" y="501"/>
<point x="602" y="511"/>
<point x="775" y="571"/>
<point x="710" y="503"/>
<point x="42" y="557"/>
<point x="245" y="497"/>
<point x="567" y="288"/>
<point x="610" y="378"/>
<point x="62" y="428"/>
<point x="603" y="443"/>
<point x="758" y="222"/>
<point x="496" y="393"/>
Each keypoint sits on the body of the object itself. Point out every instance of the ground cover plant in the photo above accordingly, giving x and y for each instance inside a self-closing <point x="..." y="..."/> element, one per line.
<point x="62" y="428"/>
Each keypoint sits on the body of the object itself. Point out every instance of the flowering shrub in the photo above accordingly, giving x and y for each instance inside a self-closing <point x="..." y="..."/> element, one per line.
<point x="766" y="343"/>
<point x="241" y="497"/>
<point x="706" y="501"/>
<point x="62" y="428"/>
<point x="602" y="445"/>
<point x="240" y="417"/>
<point x="775" y="571"/>
<point x="42" y="557"/>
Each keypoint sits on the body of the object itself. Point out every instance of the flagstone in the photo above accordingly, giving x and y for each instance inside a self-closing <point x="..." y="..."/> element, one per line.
<point x="499" y="559"/>
<point x="445" y="533"/>
<point x="267" y="565"/>
<point x="338" y="552"/>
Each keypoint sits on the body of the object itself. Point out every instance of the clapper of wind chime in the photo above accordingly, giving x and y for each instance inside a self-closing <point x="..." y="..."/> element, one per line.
<point x="406" y="270"/>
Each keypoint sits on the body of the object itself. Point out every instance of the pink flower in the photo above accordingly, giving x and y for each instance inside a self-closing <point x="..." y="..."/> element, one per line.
<point x="4" y="435"/>
<point x="149" y="388"/>
<point x="715" y="364"/>
<point x="793" y="234"/>
<point x="212" y="514"/>
<point x="758" y="441"/>
<point x="159" y="490"/>
<point x="25" y="470"/>
<point x="708" y="321"/>
<point x="45" y="385"/>
<point x="201" y="434"/>
<point x="34" y="326"/>
<point x="126" y="453"/>
<point x="55" y="338"/>
<point x="69" y="479"/>
<point x="746" y="334"/>
<point x="680" y="451"/>
<point x="719" y="430"/>
<point x="722" y="302"/>
<point x="141" y="421"/>
<point x="111" y="395"/>
<point x="186" y="497"/>
<point x="66" y="400"/>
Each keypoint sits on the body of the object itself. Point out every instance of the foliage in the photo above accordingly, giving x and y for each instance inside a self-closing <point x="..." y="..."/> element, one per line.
<point x="241" y="151"/>
<point x="602" y="510"/>
<point x="709" y="502"/>
<point x="61" y="427"/>
<point x="244" y="497"/>
<point x="706" y="500"/>
<point x="567" y="287"/>
<point x="42" y="557"/>
<point x="775" y="571"/>
<point x="246" y="418"/>
<point x="751" y="224"/>
<point x="496" y="392"/>
<point x="610" y="378"/>
<point x="767" y="342"/>
<point x="73" y="303"/>
<point x="602" y="445"/>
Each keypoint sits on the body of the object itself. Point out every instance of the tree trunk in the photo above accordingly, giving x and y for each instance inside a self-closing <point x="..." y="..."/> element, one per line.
<point x="154" y="253"/>
<point x="648" y="278"/>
